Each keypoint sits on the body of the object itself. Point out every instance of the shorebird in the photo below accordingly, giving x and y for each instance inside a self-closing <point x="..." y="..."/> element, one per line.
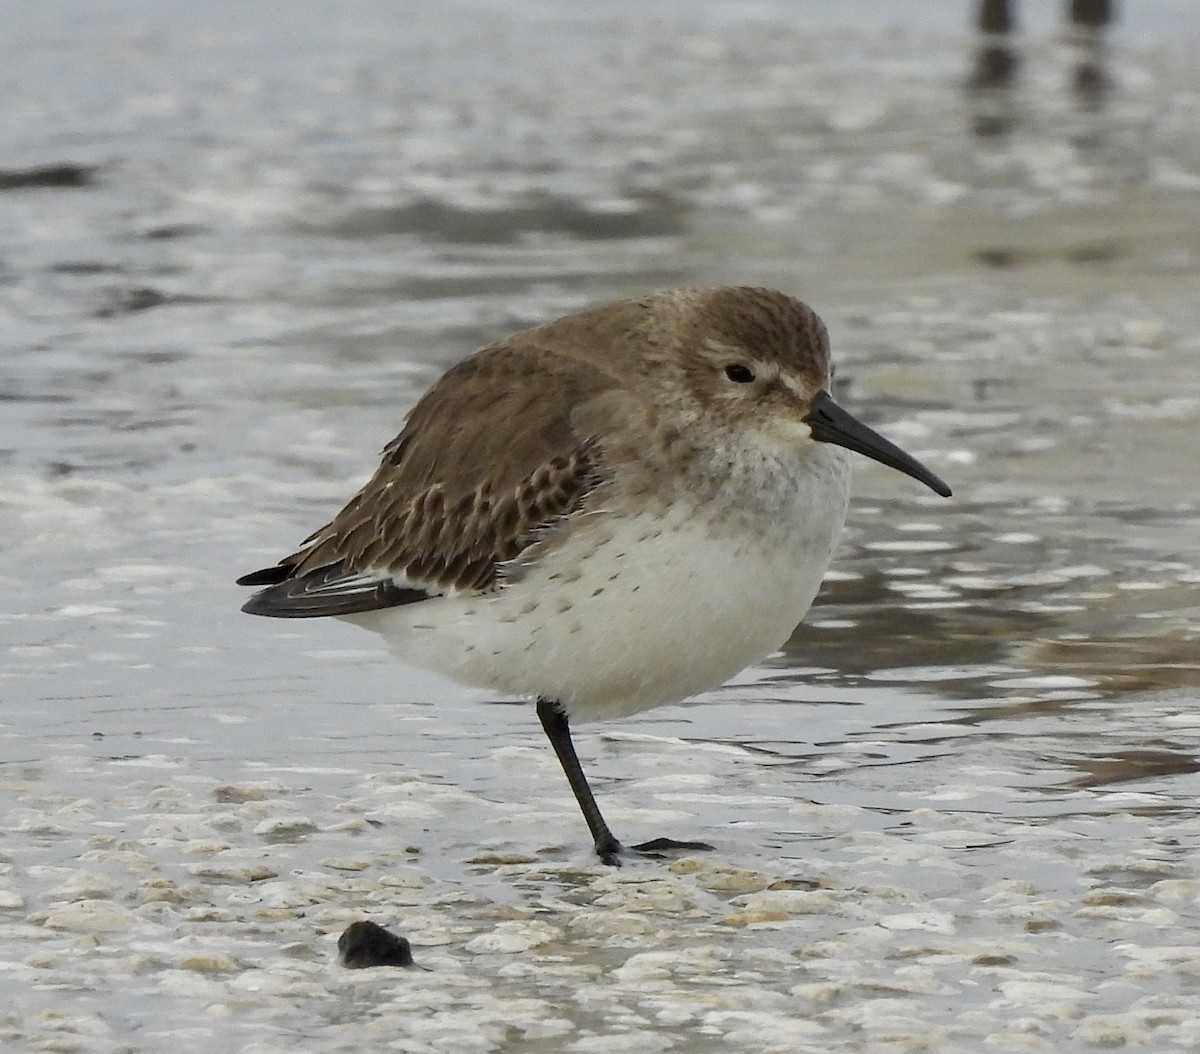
<point x="607" y="513"/>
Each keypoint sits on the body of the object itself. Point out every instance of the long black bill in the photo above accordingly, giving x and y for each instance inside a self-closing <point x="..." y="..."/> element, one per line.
<point x="831" y="424"/>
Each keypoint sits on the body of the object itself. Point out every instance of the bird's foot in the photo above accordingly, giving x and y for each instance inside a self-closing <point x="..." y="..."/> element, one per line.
<point x="610" y="850"/>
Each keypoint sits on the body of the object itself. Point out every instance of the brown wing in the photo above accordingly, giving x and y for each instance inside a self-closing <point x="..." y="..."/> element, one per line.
<point x="488" y="458"/>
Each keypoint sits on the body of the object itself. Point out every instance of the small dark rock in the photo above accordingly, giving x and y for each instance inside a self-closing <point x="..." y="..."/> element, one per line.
<point x="141" y="299"/>
<point x="171" y="231"/>
<point x="130" y="301"/>
<point x="999" y="257"/>
<point x="64" y="175"/>
<point x="86" y="267"/>
<point x="369" y="944"/>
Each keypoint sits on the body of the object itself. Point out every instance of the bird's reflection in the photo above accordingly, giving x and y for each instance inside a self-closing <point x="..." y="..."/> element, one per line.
<point x="993" y="77"/>
<point x="1090" y="80"/>
<point x="996" y="65"/>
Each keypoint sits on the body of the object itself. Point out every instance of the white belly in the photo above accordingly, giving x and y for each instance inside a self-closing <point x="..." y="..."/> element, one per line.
<point x="630" y="613"/>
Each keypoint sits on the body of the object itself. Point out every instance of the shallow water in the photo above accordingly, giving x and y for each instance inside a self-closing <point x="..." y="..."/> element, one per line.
<point x="957" y="809"/>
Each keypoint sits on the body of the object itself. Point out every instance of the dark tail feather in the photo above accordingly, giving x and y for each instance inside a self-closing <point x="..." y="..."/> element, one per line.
<point x="323" y="592"/>
<point x="268" y="576"/>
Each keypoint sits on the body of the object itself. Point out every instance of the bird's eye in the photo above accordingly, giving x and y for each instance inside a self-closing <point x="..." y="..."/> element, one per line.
<point x="738" y="373"/>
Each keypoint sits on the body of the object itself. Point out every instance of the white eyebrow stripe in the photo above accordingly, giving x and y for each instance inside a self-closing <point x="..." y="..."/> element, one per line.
<point x="719" y="346"/>
<point x="763" y="369"/>
<point x="794" y="386"/>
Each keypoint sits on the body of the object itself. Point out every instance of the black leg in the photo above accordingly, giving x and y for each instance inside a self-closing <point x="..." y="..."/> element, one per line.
<point x="558" y="731"/>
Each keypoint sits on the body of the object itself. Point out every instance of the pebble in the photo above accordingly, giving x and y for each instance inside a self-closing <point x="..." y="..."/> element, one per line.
<point x="785" y="903"/>
<point x="214" y="964"/>
<point x="284" y="826"/>
<point x="366" y="943"/>
<point x="509" y="938"/>
<point x="255" y="790"/>
<point x="934" y="921"/>
<point x="346" y="863"/>
<point x="233" y="872"/>
<point x="85" y="885"/>
<point x="89" y="916"/>
<point x="721" y="878"/>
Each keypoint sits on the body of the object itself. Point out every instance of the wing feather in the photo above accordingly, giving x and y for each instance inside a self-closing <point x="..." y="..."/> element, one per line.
<point x="488" y="459"/>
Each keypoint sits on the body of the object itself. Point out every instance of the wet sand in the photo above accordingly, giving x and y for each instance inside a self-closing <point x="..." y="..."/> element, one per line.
<point x="957" y="810"/>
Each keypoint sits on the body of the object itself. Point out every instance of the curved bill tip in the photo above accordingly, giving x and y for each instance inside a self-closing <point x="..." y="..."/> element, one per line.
<point x="831" y="424"/>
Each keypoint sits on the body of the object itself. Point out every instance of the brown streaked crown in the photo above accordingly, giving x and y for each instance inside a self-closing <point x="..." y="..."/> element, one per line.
<point x="768" y="325"/>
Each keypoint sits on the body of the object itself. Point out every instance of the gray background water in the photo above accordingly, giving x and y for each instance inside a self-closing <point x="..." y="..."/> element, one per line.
<point x="958" y="808"/>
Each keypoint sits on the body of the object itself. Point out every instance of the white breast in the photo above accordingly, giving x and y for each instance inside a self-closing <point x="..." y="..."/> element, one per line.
<point x="635" y="611"/>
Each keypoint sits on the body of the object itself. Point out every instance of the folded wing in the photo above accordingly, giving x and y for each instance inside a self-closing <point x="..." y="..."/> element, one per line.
<point x="489" y="459"/>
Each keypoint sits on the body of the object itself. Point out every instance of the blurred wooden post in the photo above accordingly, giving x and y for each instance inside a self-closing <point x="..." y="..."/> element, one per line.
<point x="1095" y="14"/>
<point x="1090" y="79"/>
<point x="995" y="16"/>
<point x="995" y="68"/>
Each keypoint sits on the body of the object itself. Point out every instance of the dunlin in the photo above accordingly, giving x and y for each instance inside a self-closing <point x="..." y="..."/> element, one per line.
<point x="610" y="512"/>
